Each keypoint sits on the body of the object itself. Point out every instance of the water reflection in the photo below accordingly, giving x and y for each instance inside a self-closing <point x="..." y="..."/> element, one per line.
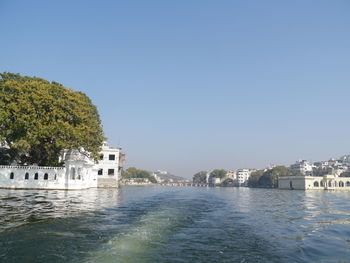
<point x="20" y="207"/>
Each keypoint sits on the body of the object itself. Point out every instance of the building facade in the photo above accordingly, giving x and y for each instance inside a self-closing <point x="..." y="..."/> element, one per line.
<point x="79" y="172"/>
<point x="109" y="166"/>
<point x="243" y="177"/>
<point x="303" y="167"/>
<point x="213" y="181"/>
<point x="327" y="182"/>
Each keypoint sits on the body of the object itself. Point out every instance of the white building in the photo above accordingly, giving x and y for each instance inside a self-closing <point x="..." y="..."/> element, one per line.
<point x="78" y="172"/>
<point x="214" y="181"/>
<point x="327" y="182"/>
<point x="243" y="176"/>
<point x="231" y="174"/>
<point x="303" y="167"/>
<point x="109" y="166"/>
<point x="345" y="160"/>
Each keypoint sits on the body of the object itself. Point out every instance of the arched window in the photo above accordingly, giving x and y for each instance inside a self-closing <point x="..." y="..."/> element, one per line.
<point x="26" y="176"/>
<point x="46" y="176"/>
<point x="341" y="184"/>
<point x="348" y="183"/>
<point x="322" y="184"/>
<point x="79" y="173"/>
<point x="36" y="176"/>
<point x="72" y="174"/>
<point x="316" y="184"/>
<point x="55" y="178"/>
<point x="12" y="175"/>
<point x="329" y="183"/>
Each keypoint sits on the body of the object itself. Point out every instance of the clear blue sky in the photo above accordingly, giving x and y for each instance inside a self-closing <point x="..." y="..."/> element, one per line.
<point x="196" y="85"/>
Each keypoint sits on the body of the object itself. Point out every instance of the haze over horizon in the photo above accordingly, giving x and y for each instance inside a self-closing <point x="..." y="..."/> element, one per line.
<point x="185" y="86"/>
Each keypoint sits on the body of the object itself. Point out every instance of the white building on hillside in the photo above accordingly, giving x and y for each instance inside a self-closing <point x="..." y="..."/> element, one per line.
<point x="231" y="174"/>
<point x="303" y="167"/>
<point x="243" y="176"/>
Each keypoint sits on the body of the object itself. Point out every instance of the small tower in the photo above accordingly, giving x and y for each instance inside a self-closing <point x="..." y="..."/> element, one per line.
<point x="109" y="166"/>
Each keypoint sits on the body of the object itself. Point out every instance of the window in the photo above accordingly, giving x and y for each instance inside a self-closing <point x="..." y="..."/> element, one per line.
<point x="79" y="173"/>
<point x="36" y="176"/>
<point x="100" y="172"/>
<point x="72" y="174"/>
<point x="101" y="157"/>
<point x="26" y="176"/>
<point x="12" y="175"/>
<point x="110" y="171"/>
<point x="112" y="157"/>
<point x="46" y="176"/>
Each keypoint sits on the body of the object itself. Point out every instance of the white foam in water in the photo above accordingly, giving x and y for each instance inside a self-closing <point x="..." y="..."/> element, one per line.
<point x="139" y="239"/>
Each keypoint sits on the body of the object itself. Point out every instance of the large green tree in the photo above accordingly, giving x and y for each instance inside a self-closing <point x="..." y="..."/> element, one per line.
<point x="219" y="173"/>
<point x="200" y="177"/>
<point x="38" y="119"/>
<point x="270" y="177"/>
<point x="253" y="180"/>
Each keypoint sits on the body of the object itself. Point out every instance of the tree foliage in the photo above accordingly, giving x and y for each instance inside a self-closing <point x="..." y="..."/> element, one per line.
<point x="219" y="173"/>
<point x="254" y="177"/>
<point x="200" y="177"/>
<point x="133" y="172"/>
<point x="38" y="119"/>
<point x="228" y="182"/>
<point x="269" y="178"/>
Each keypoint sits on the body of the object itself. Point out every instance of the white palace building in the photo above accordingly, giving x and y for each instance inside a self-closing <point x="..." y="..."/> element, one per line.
<point x="79" y="172"/>
<point x="305" y="182"/>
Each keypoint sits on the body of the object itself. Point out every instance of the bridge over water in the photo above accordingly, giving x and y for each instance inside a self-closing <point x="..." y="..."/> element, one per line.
<point x="185" y="184"/>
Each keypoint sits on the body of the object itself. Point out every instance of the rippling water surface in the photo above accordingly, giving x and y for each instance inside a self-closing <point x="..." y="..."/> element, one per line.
<point x="174" y="224"/>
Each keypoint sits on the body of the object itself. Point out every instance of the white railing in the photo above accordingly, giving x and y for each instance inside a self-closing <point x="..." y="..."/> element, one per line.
<point x="32" y="167"/>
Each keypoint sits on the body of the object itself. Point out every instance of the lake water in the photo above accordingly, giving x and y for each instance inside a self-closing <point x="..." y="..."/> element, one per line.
<point x="174" y="224"/>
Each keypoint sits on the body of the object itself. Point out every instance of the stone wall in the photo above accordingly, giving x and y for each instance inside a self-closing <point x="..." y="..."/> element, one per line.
<point x="72" y="177"/>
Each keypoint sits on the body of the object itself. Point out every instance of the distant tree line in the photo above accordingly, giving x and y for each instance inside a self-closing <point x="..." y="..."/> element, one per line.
<point x="269" y="178"/>
<point x="133" y="173"/>
<point x="201" y="177"/>
<point x="260" y="178"/>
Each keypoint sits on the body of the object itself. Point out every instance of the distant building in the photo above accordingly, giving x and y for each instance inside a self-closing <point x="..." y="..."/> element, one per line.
<point x="243" y="176"/>
<point x="303" y="167"/>
<point x="158" y="179"/>
<point x="345" y="160"/>
<point x="231" y="174"/>
<point x="161" y="172"/>
<point x="214" y="181"/>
